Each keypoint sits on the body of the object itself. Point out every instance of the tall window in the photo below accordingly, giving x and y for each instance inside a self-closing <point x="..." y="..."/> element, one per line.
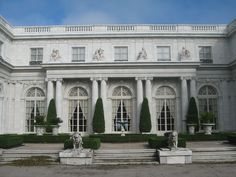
<point x="78" y="109"/>
<point x="165" y="109"/>
<point x="78" y="54"/>
<point x="205" y="54"/>
<point x="36" y="56"/>
<point x="121" y="53"/>
<point x="121" y="109"/>
<point x="163" y="53"/>
<point x="208" y="101"/>
<point x="1" y="44"/>
<point x="35" y="106"/>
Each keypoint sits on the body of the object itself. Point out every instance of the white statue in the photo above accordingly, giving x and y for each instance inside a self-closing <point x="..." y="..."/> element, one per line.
<point x="142" y="55"/>
<point x="173" y="140"/>
<point x="55" y="55"/>
<point x="98" y="55"/>
<point x="77" y="141"/>
<point x="185" y="54"/>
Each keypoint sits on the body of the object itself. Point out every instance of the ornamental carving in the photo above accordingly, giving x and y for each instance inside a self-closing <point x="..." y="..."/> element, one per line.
<point x="55" y="56"/>
<point x="185" y="54"/>
<point x="99" y="55"/>
<point x="142" y="55"/>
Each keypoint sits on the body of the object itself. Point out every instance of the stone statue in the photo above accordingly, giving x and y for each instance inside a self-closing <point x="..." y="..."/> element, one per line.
<point x="185" y="54"/>
<point x="173" y="140"/>
<point x="77" y="141"/>
<point x="142" y="55"/>
<point x="55" y="55"/>
<point x="98" y="55"/>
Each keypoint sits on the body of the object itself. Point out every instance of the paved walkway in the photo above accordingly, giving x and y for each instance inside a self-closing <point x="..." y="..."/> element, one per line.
<point x="141" y="145"/>
<point x="192" y="170"/>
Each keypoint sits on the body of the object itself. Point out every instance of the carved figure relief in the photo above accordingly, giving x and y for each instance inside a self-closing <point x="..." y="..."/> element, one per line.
<point x="99" y="55"/>
<point x="55" y="55"/>
<point x="185" y="54"/>
<point x="142" y="55"/>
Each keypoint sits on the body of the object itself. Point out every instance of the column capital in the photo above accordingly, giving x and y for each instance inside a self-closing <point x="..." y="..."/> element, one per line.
<point x="185" y="77"/>
<point x="139" y="78"/>
<point x="149" y="78"/>
<point x="95" y="78"/>
<point x="50" y="79"/>
<point x="104" y="78"/>
<point x="59" y="79"/>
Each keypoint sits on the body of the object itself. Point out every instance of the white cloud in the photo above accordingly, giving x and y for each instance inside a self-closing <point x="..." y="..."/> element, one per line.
<point x="88" y="18"/>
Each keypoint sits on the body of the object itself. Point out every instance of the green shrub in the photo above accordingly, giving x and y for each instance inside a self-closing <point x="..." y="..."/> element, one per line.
<point x="98" y="117"/>
<point x="46" y="138"/>
<point x="162" y="142"/>
<point x="52" y="113"/>
<point x="207" y="117"/>
<point x="232" y="138"/>
<point x="192" y="114"/>
<point x="40" y="120"/>
<point x="9" y="141"/>
<point x="117" y="138"/>
<point x="90" y="143"/>
<point x="145" y="117"/>
<point x="202" y="137"/>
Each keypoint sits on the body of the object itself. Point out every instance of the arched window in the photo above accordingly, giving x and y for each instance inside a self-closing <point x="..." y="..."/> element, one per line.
<point x="35" y="106"/>
<point x="208" y="101"/>
<point x="121" y="109"/>
<point x="78" y="109"/>
<point x="165" y="108"/>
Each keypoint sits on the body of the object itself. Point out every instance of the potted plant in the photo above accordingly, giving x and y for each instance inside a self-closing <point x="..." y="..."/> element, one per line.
<point x="192" y="116"/>
<point x="40" y="125"/>
<point x="55" y="125"/>
<point x="207" y="121"/>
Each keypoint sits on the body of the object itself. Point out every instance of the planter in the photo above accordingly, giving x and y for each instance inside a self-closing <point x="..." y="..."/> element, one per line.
<point x="191" y="128"/>
<point x="208" y="128"/>
<point x="55" y="129"/>
<point x="40" y="130"/>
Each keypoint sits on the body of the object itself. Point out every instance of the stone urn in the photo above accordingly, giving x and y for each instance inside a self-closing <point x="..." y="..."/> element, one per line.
<point x="207" y="127"/>
<point x="55" y="129"/>
<point x="191" y="128"/>
<point x="40" y="130"/>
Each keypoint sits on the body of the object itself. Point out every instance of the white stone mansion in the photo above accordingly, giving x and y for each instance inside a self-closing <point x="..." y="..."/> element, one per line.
<point x="122" y="64"/>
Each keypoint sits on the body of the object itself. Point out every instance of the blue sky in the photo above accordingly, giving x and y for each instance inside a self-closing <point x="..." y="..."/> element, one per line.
<point x="60" y="12"/>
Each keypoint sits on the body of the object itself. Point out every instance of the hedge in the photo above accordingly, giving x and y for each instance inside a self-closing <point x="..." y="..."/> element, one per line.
<point x="9" y="141"/>
<point x="46" y="138"/>
<point x="162" y="142"/>
<point x="232" y="138"/>
<point x="90" y="143"/>
<point x="145" y="124"/>
<point x="203" y="137"/>
<point x="117" y="138"/>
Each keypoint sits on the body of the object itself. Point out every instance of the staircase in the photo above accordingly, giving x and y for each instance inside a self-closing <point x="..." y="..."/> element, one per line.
<point x="214" y="154"/>
<point x="125" y="156"/>
<point x="10" y="154"/>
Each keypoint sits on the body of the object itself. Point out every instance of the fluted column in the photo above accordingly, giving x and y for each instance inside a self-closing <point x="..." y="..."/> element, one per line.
<point x="94" y="94"/>
<point x="184" y="98"/>
<point x="193" y="91"/>
<point x="104" y="100"/>
<point x="148" y="94"/>
<point x="49" y="91"/>
<point x="59" y="97"/>
<point x="139" y="100"/>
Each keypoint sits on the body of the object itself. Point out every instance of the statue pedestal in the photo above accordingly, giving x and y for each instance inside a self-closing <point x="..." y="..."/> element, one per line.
<point x="76" y="157"/>
<point x="175" y="156"/>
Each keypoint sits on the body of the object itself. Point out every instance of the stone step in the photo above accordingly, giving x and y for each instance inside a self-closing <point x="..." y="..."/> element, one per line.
<point x="10" y="155"/>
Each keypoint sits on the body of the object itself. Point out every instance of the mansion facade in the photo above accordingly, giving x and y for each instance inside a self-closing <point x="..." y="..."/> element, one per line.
<point x="122" y="64"/>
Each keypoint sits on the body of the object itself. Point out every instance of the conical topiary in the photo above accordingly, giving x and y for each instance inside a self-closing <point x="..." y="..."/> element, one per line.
<point x="52" y="113"/>
<point x="98" y="117"/>
<point x="145" y="124"/>
<point x="192" y="114"/>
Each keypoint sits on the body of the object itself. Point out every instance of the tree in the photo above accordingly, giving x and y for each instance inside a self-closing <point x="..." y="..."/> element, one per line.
<point x="52" y="113"/>
<point x="192" y="114"/>
<point x="98" y="117"/>
<point x="145" y="124"/>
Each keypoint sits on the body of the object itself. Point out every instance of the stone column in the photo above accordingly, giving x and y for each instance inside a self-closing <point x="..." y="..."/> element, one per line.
<point x="139" y="101"/>
<point x="184" y="98"/>
<point x="59" y="97"/>
<point x="148" y="94"/>
<point x="193" y="91"/>
<point x="104" y="100"/>
<point x="94" y="100"/>
<point x="49" y="91"/>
